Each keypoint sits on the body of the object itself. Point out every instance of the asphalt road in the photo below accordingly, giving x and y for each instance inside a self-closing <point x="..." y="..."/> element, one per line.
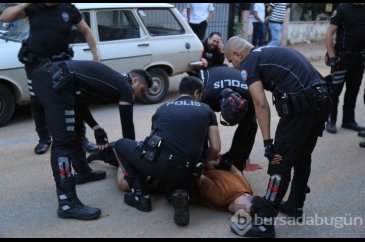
<point x="28" y="203"/>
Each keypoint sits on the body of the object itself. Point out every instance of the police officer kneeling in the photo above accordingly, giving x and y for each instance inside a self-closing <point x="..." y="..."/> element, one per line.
<point x="172" y="152"/>
<point x="302" y="101"/>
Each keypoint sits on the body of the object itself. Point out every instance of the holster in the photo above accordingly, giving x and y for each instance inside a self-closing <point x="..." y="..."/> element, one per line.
<point x="151" y="148"/>
<point x="282" y="104"/>
<point x="301" y="101"/>
<point x="61" y="75"/>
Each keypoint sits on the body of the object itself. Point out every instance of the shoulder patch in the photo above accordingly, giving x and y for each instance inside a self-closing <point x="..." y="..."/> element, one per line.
<point x="66" y="17"/>
<point x="244" y="75"/>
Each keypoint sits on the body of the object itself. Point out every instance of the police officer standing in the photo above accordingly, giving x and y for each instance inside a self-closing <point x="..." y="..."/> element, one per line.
<point x="55" y="84"/>
<point x="172" y="152"/>
<point x="49" y="37"/>
<point x="223" y="84"/>
<point x="346" y="58"/>
<point x="303" y="103"/>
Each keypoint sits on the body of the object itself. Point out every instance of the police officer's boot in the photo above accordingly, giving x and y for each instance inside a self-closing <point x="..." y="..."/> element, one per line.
<point x="293" y="207"/>
<point x="84" y="173"/>
<point x="180" y="201"/>
<point x="69" y="204"/>
<point x="138" y="199"/>
<point x="44" y="141"/>
<point x="107" y="155"/>
<point x="261" y="221"/>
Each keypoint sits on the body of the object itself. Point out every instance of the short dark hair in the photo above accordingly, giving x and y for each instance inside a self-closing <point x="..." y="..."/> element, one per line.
<point x="213" y="33"/>
<point x="144" y="74"/>
<point x="190" y="84"/>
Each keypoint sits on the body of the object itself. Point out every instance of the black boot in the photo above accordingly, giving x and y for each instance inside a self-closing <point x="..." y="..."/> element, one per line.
<point x="69" y="204"/>
<point x="180" y="201"/>
<point x="291" y="211"/>
<point x="261" y="220"/>
<point x="107" y="155"/>
<point x="44" y="141"/>
<point x="84" y="173"/>
<point x="138" y="200"/>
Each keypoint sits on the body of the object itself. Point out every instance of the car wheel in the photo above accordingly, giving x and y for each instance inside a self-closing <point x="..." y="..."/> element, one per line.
<point x="159" y="89"/>
<point x="7" y="105"/>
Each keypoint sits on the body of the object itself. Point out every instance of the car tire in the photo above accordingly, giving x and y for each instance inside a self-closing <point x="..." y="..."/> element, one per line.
<point x="7" y="104"/>
<point x="160" y="87"/>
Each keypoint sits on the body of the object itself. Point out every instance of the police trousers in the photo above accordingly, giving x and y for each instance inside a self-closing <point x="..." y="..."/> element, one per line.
<point x="173" y="176"/>
<point x="37" y="109"/>
<point x="295" y="139"/>
<point x="64" y="125"/>
<point x="243" y="141"/>
<point x="350" y="72"/>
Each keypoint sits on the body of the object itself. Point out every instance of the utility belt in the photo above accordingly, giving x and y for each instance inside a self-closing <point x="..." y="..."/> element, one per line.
<point x="152" y="150"/>
<point x="26" y="56"/>
<point x="289" y="104"/>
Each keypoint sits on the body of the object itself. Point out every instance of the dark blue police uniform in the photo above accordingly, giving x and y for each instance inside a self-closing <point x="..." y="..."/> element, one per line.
<point x="349" y="48"/>
<point x="183" y="125"/>
<point x="215" y="80"/>
<point x="303" y="102"/>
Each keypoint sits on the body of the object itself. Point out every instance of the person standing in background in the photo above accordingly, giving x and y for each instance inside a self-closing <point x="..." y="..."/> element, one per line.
<point x="199" y="15"/>
<point x="275" y="19"/>
<point x="258" y="24"/>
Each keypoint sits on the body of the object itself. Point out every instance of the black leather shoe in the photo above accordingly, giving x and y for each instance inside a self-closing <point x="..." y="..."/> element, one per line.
<point x="331" y="127"/>
<point x="361" y="134"/>
<point x="362" y="144"/>
<point x="42" y="148"/>
<point x="292" y="212"/>
<point x="353" y="126"/>
<point x="73" y="208"/>
<point x="94" y="175"/>
<point x="180" y="201"/>
<point x="89" y="147"/>
<point x="142" y="203"/>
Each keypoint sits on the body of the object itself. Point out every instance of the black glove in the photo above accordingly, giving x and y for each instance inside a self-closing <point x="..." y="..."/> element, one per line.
<point x="100" y="136"/>
<point x="269" y="149"/>
<point x="331" y="61"/>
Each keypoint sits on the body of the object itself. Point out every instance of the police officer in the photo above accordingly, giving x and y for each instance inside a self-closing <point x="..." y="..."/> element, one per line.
<point x="173" y="150"/>
<point x="49" y="37"/>
<point x="217" y="79"/>
<point x="303" y="103"/>
<point x="213" y="53"/>
<point x="55" y="84"/>
<point x="346" y="58"/>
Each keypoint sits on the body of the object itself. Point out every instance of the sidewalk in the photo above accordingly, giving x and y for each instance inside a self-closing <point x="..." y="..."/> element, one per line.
<point x="314" y="51"/>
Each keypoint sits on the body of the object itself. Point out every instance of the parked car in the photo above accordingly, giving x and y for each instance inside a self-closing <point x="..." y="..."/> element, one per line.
<point x="151" y="36"/>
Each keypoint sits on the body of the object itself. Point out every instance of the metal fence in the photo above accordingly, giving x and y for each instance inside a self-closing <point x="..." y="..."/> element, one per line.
<point x="220" y="20"/>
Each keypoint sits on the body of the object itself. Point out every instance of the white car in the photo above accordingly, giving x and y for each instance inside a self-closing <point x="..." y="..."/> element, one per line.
<point x="151" y="36"/>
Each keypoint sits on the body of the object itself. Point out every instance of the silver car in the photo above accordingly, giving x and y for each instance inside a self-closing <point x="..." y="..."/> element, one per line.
<point x="151" y="36"/>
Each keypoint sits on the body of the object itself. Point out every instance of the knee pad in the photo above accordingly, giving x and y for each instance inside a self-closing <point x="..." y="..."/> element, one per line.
<point x="273" y="187"/>
<point x="64" y="167"/>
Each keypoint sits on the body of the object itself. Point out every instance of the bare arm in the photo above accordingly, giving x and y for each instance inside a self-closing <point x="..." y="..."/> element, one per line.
<point x="214" y="143"/>
<point x="210" y="15"/>
<point x="14" y="13"/>
<point x="86" y="31"/>
<point x="328" y="40"/>
<point x="262" y="108"/>
<point x="257" y="17"/>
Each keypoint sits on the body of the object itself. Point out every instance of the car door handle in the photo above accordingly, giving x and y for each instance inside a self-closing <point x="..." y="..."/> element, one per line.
<point x="144" y="44"/>
<point x="87" y="49"/>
